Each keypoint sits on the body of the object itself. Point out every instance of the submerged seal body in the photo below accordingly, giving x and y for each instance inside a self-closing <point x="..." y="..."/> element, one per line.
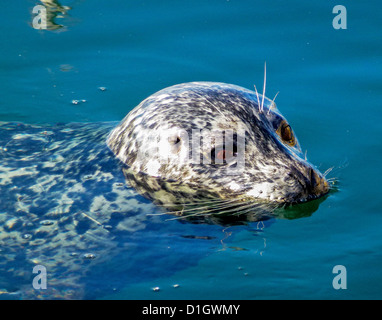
<point x="64" y="205"/>
<point x="217" y="140"/>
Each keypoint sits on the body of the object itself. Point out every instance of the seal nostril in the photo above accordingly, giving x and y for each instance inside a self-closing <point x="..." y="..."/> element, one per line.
<point x="317" y="184"/>
<point x="312" y="178"/>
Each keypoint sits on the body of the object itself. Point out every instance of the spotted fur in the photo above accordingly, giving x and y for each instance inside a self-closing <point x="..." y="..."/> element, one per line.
<point x="274" y="171"/>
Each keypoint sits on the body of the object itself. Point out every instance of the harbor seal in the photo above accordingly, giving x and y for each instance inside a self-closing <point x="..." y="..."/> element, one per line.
<point x="65" y="204"/>
<point x="207" y="140"/>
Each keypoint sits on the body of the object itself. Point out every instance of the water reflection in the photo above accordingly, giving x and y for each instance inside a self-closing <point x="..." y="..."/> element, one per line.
<point x="45" y="14"/>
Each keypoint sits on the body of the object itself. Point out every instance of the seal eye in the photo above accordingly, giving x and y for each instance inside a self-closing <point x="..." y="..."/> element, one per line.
<point x="286" y="133"/>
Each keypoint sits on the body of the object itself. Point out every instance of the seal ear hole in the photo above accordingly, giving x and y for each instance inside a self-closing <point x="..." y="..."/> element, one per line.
<point x="175" y="144"/>
<point x="174" y="140"/>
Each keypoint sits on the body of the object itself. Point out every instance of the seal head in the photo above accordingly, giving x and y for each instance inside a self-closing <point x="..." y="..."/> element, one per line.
<point x="215" y="139"/>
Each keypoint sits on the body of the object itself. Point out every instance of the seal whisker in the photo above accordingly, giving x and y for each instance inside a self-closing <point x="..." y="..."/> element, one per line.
<point x="239" y="209"/>
<point x="332" y="180"/>
<point x="211" y="204"/>
<point x="217" y="201"/>
<point x="236" y="208"/>
<point x="335" y="170"/>
<point x="272" y="103"/>
<point x="157" y="214"/>
<point x="211" y="208"/>
<point x="255" y="206"/>
<point x="179" y="217"/>
<point x="264" y="85"/>
<point x="328" y="171"/>
<point x="258" y="100"/>
<point x="92" y="219"/>
<point x="260" y="209"/>
<point x="255" y="210"/>
<point x="194" y="202"/>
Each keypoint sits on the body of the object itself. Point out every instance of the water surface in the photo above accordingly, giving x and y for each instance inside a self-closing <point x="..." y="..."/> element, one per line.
<point x="330" y="91"/>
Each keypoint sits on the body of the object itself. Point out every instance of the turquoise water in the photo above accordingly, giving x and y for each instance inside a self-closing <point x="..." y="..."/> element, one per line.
<point x="330" y="91"/>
